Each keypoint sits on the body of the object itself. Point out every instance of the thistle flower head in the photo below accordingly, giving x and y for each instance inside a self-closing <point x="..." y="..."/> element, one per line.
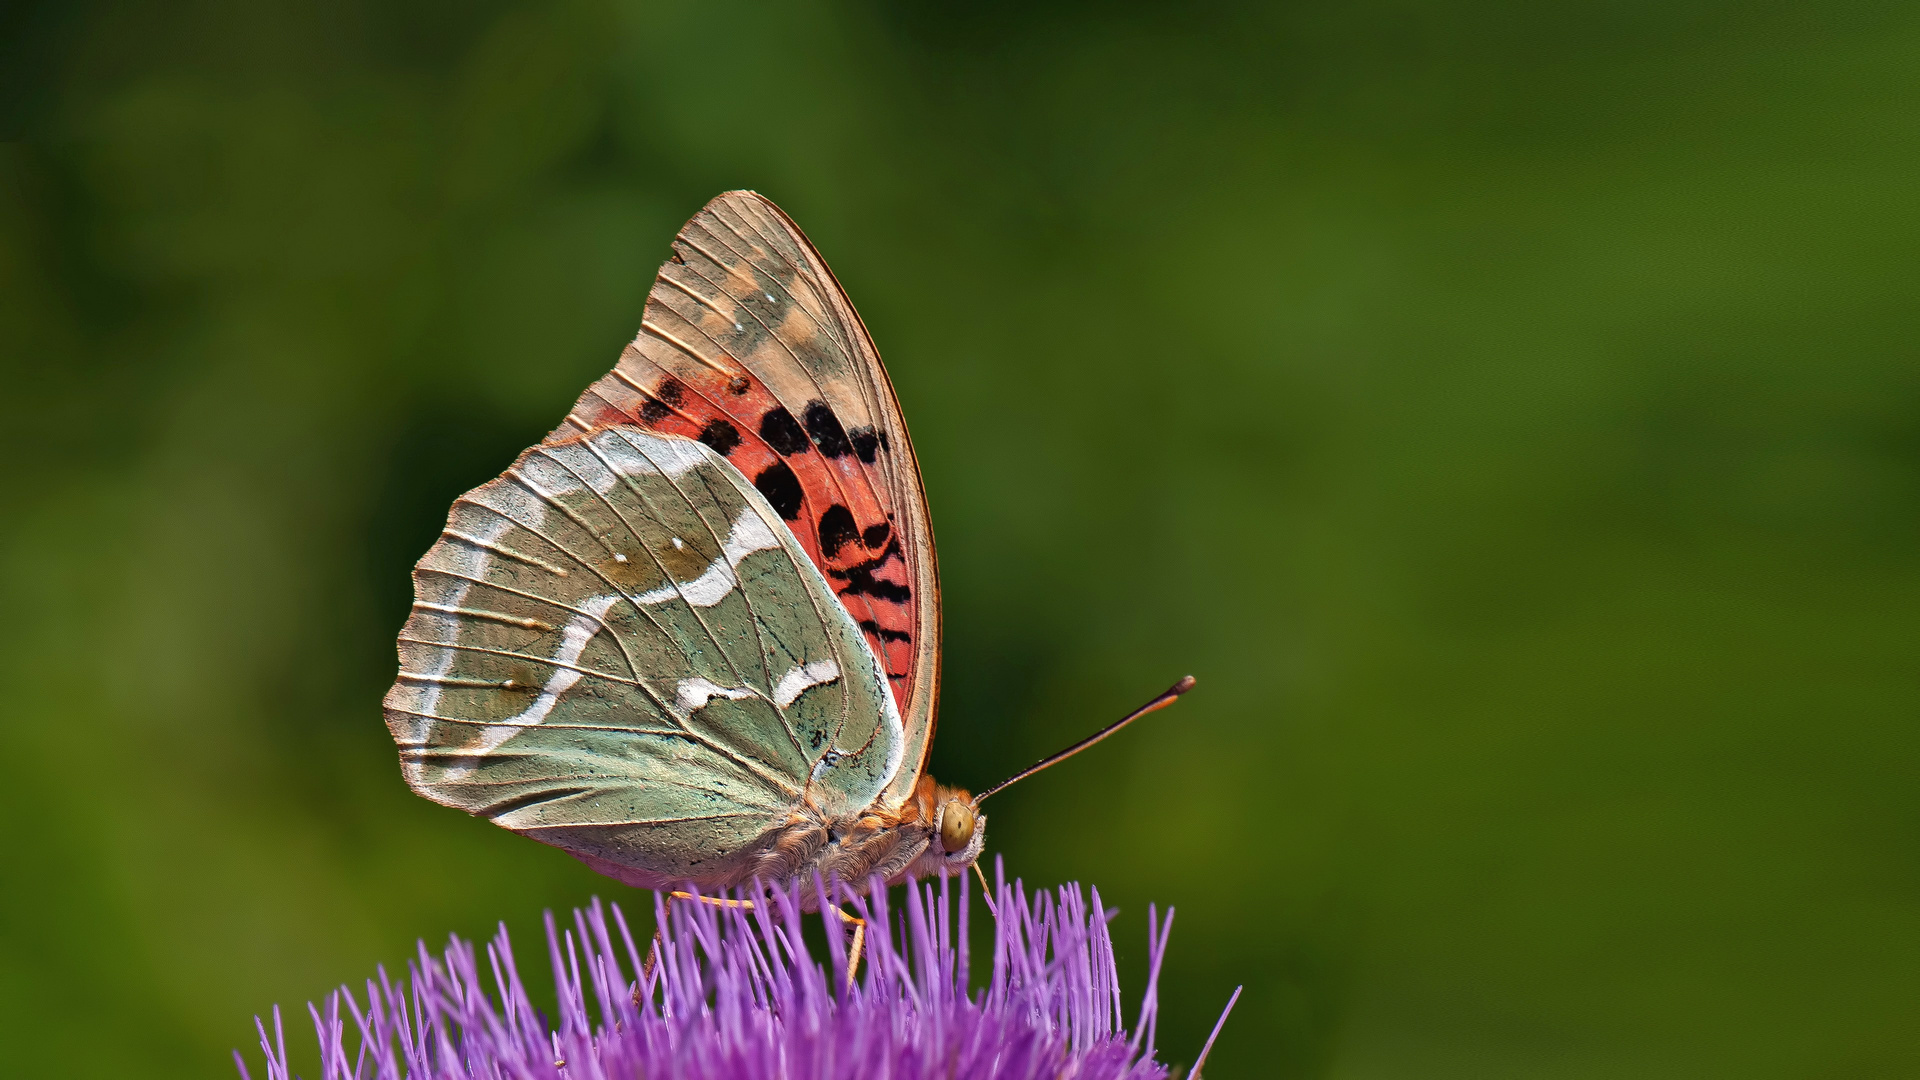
<point x="733" y="993"/>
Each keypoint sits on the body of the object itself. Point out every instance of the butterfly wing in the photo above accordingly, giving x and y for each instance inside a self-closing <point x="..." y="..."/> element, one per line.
<point x="618" y="648"/>
<point x="750" y="346"/>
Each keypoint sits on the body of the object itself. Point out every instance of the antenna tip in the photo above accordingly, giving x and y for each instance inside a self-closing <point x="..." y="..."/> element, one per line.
<point x="1181" y="687"/>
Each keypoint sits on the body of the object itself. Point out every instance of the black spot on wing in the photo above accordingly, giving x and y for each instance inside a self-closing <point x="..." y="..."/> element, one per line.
<point x="720" y="435"/>
<point x="738" y="384"/>
<point x="837" y="530"/>
<point x="876" y="535"/>
<point x="865" y="443"/>
<point x="671" y="392"/>
<point x="861" y="582"/>
<point x="865" y="584"/>
<point x="781" y="488"/>
<point x="883" y="633"/>
<point x="870" y="565"/>
<point x="825" y="428"/>
<point x="783" y="433"/>
<point x="652" y="411"/>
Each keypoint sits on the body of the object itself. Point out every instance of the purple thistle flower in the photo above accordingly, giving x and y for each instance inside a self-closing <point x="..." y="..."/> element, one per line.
<point x="734" y="994"/>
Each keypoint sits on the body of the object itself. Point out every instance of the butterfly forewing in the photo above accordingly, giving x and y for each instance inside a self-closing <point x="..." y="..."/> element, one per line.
<point x="749" y="345"/>
<point x="618" y="648"/>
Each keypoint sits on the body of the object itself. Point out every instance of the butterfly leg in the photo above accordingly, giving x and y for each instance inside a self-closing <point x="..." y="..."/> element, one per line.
<point x="653" y="954"/>
<point x="859" y="942"/>
<point x="986" y="890"/>
<point x="853" y="956"/>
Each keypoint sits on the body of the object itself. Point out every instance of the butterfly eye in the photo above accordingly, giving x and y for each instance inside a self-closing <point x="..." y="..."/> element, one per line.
<point x="956" y="826"/>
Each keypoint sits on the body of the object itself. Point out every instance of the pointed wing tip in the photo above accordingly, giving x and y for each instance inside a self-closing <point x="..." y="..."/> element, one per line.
<point x="738" y="194"/>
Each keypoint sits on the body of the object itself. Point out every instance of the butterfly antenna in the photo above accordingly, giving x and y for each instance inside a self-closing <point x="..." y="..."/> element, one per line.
<point x="1171" y="695"/>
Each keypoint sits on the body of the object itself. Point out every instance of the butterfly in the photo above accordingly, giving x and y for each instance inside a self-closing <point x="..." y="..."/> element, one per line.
<point x="693" y="636"/>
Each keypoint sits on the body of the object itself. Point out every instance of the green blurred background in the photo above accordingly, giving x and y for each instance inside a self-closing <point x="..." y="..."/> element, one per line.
<point x="1510" y="411"/>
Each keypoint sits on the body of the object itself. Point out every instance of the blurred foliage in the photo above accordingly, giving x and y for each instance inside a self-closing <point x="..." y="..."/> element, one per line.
<point x="1509" y="411"/>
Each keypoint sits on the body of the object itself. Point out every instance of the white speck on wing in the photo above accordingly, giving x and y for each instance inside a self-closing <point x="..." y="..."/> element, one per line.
<point x="803" y="677"/>
<point x="750" y="533"/>
<point x="694" y="693"/>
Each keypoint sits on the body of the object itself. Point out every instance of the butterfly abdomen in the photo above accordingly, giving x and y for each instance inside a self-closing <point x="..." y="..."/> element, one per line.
<point x="852" y="850"/>
<point x="859" y="847"/>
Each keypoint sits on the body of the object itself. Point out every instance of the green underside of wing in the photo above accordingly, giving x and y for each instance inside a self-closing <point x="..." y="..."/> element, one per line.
<point x="619" y="647"/>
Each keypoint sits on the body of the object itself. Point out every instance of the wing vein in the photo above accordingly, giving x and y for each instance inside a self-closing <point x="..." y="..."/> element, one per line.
<point x="746" y="597"/>
<point x="652" y="556"/>
<point x="604" y="676"/>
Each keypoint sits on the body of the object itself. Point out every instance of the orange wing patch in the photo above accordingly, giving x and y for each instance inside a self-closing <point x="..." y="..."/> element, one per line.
<point x="800" y="467"/>
<point x="746" y="348"/>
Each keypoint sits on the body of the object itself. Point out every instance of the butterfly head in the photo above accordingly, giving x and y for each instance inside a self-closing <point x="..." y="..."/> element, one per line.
<point x="957" y="826"/>
<point x="956" y="829"/>
<point x="960" y="831"/>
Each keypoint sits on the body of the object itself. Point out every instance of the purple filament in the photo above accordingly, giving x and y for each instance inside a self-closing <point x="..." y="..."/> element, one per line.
<point x="735" y="994"/>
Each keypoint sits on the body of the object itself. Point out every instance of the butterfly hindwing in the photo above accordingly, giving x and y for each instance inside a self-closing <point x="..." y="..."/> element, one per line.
<point x="750" y="346"/>
<point x="618" y="648"/>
